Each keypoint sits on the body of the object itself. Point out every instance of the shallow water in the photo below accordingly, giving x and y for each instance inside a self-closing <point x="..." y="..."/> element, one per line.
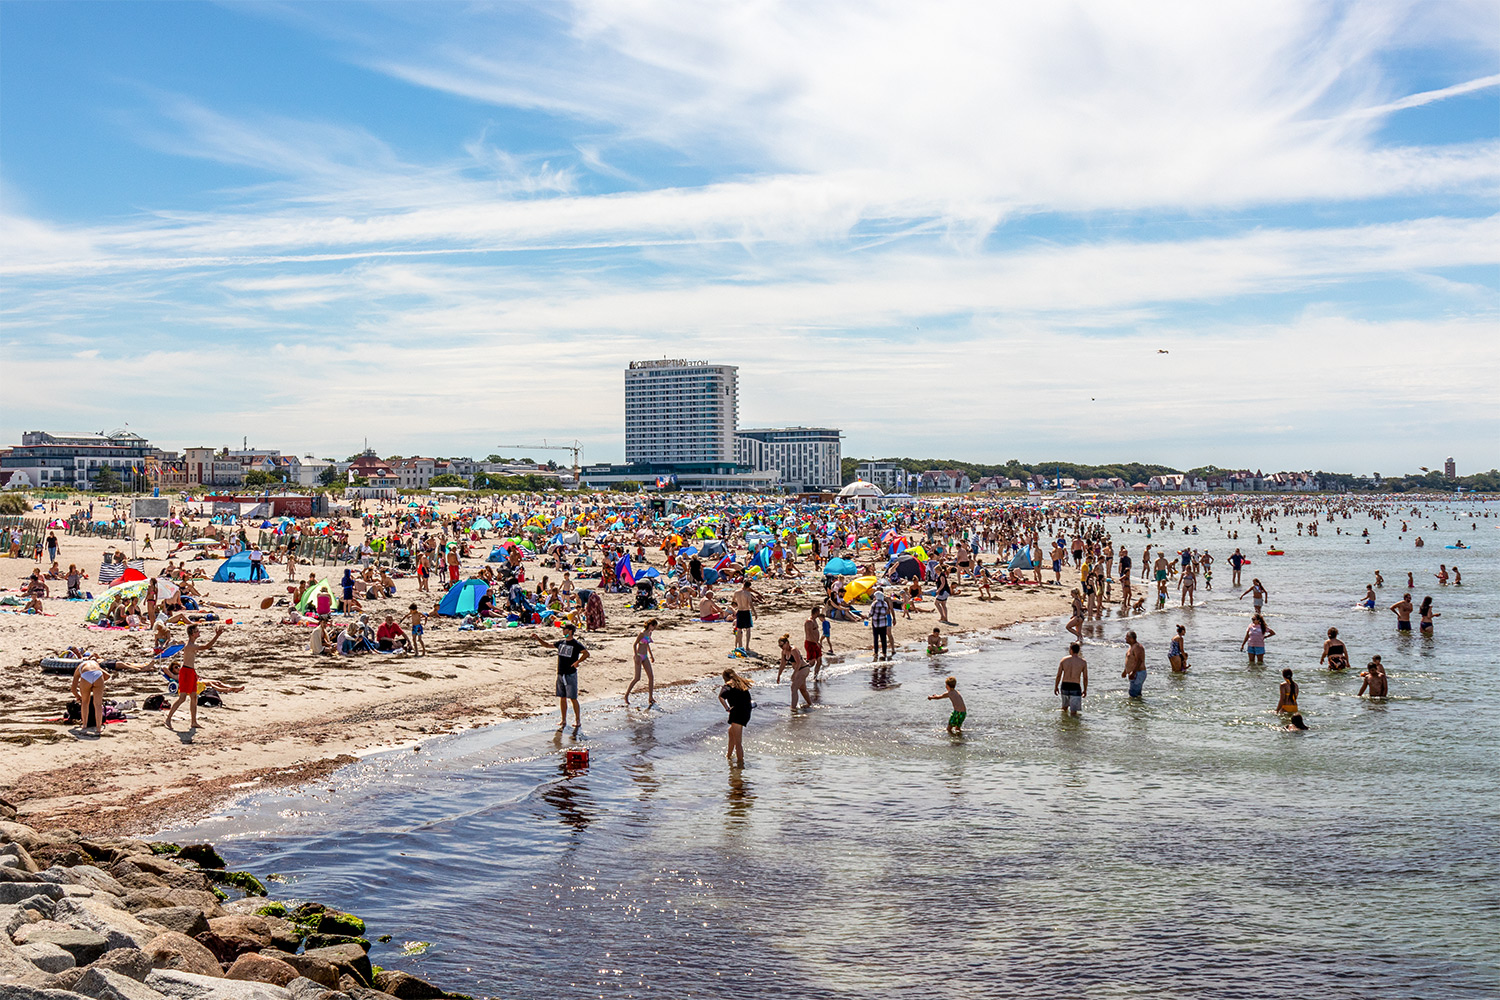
<point x="1178" y="846"/>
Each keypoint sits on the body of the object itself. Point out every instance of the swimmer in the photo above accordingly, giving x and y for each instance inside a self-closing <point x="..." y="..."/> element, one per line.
<point x="960" y="711"/>
<point x="1369" y="601"/>
<point x="1296" y="725"/>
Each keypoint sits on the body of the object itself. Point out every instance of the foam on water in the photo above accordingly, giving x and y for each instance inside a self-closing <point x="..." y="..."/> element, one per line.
<point x="1179" y="846"/>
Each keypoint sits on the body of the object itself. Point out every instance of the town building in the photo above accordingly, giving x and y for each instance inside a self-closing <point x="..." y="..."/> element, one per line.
<point x="680" y="412"/>
<point x="73" y="461"/>
<point x="890" y="477"/>
<point x="1450" y="470"/>
<point x="808" y="458"/>
<point x="208" y="467"/>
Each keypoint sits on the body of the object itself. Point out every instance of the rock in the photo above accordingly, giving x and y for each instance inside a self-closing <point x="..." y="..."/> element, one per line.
<point x="119" y="927"/>
<point x="107" y="984"/>
<point x="22" y="991"/>
<point x="306" y="989"/>
<point x="86" y="875"/>
<point x="17" y="875"/>
<point x="105" y="852"/>
<point x="366" y="993"/>
<point x="136" y="879"/>
<point x="161" y="897"/>
<point x="12" y="893"/>
<point x="338" y="922"/>
<point x="7" y="809"/>
<point x="83" y="945"/>
<point x="46" y="956"/>
<point x="346" y="958"/>
<point x="187" y="920"/>
<point x="202" y="855"/>
<point x="186" y="986"/>
<point x="329" y="940"/>
<point x="316" y="969"/>
<point x="261" y="968"/>
<point x="171" y="950"/>
<point x="68" y="978"/>
<point x="127" y="961"/>
<point x="24" y="861"/>
<point x="17" y="833"/>
<point x="61" y="855"/>
<point x="404" y="986"/>
<point x="269" y="932"/>
<point x="159" y="866"/>
<point x="244" y="881"/>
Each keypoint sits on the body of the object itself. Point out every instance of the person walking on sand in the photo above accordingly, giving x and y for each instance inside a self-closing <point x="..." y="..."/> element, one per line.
<point x="1135" y="665"/>
<point x="960" y="710"/>
<point x="793" y="658"/>
<point x="644" y="663"/>
<point x="743" y="602"/>
<point x="187" y="676"/>
<point x="735" y="697"/>
<point x="1072" y="680"/>
<point x="415" y="619"/>
<point x="570" y="653"/>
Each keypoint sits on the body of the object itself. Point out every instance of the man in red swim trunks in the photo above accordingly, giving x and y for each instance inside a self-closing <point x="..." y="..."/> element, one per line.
<point x="187" y="676"/>
<point x="811" y="635"/>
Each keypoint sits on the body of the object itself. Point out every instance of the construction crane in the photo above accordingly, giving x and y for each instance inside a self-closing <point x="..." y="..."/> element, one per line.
<point x="576" y="448"/>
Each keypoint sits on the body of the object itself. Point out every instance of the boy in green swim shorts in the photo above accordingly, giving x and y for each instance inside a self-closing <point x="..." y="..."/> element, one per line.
<point x="960" y="711"/>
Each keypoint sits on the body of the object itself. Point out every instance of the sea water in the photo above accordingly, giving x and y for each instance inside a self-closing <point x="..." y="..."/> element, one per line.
<point x="1181" y="845"/>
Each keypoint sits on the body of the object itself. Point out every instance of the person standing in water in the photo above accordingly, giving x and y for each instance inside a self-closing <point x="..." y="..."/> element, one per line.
<point x="1425" y="615"/>
<point x="1177" y="651"/>
<point x="1258" y="592"/>
<point x="960" y="710"/>
<point x="1255" y="638"/>
<point x="1135" y="664"/>
<point x="1072" y="680"/>
<point x="735" y="697"/>
<point x="1402" y="610"/>
<point x="644" y="663"/>
<point x="1374" y="679"/>
<point x="570" y="653"/>
<point x="793" y="658"/>
<point x="1335" y="652"/>
<point x="1236" y="561"/>
<point x="1287" y="702"/>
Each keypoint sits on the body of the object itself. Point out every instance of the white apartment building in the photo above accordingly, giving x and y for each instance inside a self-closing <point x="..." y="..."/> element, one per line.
<point x="889" y="476"/>
<point x="808" y="458"/>
<point x="680" y="412"/>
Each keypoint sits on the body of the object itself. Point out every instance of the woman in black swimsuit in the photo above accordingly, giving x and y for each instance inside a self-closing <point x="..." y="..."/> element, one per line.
<point x="1335" y="652"/>
<point x="735" y="697"/>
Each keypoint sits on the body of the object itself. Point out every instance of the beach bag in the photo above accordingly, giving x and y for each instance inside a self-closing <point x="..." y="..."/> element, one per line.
<point x="208" y="699"/>
<point x="155" y="703"/>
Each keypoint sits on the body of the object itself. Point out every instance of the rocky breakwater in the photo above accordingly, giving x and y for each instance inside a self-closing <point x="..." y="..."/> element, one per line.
<point x="113" y="919"/>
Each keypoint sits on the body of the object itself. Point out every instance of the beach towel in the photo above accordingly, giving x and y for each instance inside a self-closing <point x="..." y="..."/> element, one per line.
<point x="593" y="613"/>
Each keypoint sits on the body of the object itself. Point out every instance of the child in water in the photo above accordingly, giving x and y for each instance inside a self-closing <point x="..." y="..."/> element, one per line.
<point x="960" y="711"/>
<point x="935" y="642"/>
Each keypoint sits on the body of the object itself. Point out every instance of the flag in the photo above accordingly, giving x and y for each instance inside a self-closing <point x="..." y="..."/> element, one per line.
<point x="727" y="558"/>
<point x="623" y="571"/>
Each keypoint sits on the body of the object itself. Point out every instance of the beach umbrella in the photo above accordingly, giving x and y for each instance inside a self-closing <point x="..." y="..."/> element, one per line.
<point x="858" y="587"/>
<point x="101" y="604"/>
<point x="840" y="567"/>
<point x="908" y="566"/>
<point x="482" y="524"/>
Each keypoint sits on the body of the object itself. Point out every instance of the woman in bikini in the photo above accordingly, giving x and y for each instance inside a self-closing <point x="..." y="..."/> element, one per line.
<point x="1287" y="702"/>
<point x="643" y="662"/>
<point x="88" y="690"/>
<point x="792" y="657"/>
<point x="1335" y="652"/>
<point x="1177" y="651"/>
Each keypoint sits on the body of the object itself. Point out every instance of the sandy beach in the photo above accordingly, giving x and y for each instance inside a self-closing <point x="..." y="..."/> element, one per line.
<point x="301" y="716"/>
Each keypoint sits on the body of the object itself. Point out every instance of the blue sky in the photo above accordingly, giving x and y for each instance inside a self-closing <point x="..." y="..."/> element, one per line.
<point x="951" y="229"/>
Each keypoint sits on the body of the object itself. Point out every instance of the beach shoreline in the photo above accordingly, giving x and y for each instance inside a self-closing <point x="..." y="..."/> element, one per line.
<point x="302" y="717"/>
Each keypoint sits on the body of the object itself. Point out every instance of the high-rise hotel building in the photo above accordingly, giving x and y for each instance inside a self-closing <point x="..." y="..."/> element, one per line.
<point x="680" y="412"/>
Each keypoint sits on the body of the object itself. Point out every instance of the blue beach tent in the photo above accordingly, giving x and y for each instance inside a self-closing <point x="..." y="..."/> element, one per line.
<point x="463" y="598"/>
<point x="239" y="569"/>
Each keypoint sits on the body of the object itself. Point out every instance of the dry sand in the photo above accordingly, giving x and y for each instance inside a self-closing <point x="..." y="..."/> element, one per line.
<point x="300" y="717"/>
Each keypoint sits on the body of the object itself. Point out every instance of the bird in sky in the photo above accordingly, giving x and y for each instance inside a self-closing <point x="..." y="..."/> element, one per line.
<point x="1160" y="351"/>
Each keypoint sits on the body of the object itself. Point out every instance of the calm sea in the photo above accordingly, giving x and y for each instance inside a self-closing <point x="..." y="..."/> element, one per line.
<point x="1178" y="846"/>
